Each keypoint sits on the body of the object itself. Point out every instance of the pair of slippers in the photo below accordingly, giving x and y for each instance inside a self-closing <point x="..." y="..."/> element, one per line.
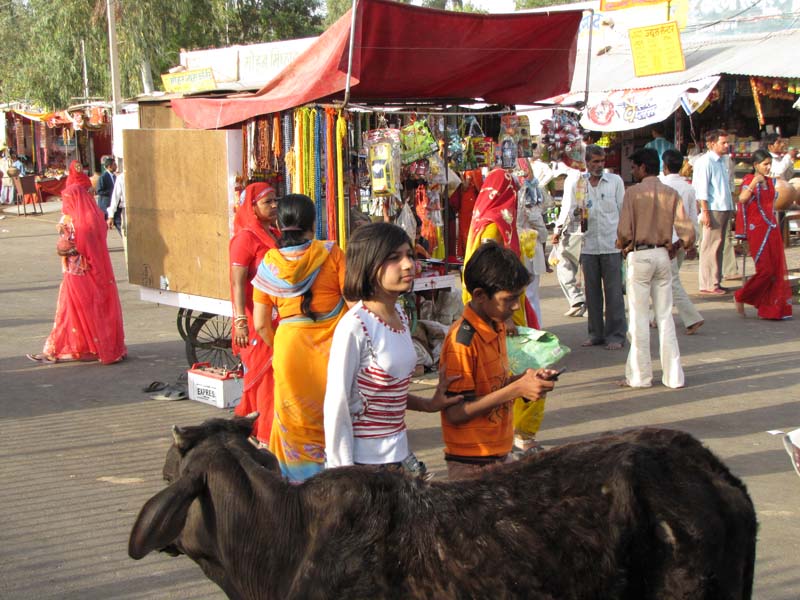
<point x="159" y="390"/>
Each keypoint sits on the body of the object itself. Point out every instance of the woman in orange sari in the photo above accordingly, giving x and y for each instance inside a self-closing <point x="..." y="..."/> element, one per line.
<point x="254" y="232"/>
<point x="88" y="322"/>
<point x="768" y="290"/>
<point x="304" y="280"/>
<point x="495" y="218"/>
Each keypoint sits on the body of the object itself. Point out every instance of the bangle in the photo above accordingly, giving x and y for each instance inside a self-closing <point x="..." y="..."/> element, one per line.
<point x="240" y="318"/>
<point x="241" y="326"/>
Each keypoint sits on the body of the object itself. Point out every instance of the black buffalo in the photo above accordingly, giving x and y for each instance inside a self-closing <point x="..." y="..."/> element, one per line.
<point x="646" y="514"/>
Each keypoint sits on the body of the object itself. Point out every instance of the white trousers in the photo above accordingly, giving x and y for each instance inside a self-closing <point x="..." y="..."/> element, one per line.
<point x="567" y="274"/>
<point x="649" y="277"/>
<point x="683" y="304"/>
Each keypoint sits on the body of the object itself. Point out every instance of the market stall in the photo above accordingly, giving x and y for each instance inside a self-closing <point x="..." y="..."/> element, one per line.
<point x="47" y="141"/>
<point x="376" y="126"/>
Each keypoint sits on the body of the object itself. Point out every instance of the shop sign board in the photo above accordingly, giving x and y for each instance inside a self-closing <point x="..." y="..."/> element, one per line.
<point x="656" y="49"/>
<point x="624" y="110"/>
<point x="606" y="5"/>
<point x="261" y="62"/>
<point x="185" y="82"/>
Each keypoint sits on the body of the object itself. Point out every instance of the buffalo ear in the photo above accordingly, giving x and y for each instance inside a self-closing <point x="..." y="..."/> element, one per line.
<point x="179" y="436"/>
<point x="162" y="518"/>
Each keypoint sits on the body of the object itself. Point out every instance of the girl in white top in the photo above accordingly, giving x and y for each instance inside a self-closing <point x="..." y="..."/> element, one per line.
<point x="372" y="358"/>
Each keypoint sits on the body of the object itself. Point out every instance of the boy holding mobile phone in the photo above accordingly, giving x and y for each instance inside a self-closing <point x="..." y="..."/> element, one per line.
<point x="479" y="431"/>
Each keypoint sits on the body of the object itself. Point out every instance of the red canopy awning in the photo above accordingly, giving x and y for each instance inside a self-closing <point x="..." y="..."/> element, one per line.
<point x="413" y="54"/>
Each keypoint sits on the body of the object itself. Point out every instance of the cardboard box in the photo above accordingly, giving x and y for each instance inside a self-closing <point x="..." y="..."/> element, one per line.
<point x="217" y="387"/>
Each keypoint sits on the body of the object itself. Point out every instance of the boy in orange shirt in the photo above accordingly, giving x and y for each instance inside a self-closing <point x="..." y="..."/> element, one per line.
<point x="479" y="431"/>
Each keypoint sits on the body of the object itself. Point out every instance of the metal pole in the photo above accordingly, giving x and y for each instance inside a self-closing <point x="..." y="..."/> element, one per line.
<point x="350" y="53"/>
<point x="113" y="56"/>
<point x="589" y="58"/>
<point x="85" y="73"/>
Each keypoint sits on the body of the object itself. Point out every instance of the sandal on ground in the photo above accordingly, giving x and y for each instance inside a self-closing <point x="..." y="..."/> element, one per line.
<point x="170" y="393"/>
<point x="625" y="384"/>
<point x="155" y="386"/>
<point x="692" y="329"/>
<point x="41" y="358"/>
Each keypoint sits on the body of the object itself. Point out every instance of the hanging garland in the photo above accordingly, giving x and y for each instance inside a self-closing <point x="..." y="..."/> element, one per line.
<point x="319" y="140"/>
<point x="288" y="155"/>
<point x="341" y="133"/>
<point x="308" y="152"/>
<point x="330" y="173"/>
<point x="299" y="143"/>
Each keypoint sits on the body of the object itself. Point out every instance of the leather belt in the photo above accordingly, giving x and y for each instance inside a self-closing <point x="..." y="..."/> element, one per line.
<point x="648" y="246"/>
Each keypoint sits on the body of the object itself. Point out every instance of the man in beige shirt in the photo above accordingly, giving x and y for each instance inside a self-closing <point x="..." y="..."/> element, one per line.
<point x="650" y="210"/>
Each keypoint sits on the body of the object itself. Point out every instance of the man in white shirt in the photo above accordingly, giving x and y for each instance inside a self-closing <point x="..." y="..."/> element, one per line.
<point x="672" y="161"/>
<point x="782" y="161"/>
<point x="568" y="236"/>
<point x="116" y="209"/>
<point x="601" y="260"/>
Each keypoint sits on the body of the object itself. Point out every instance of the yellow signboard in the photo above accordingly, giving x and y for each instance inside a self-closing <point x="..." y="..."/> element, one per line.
<point x="606" y="5"/>
<point x="656" y="49"/>
<point x="184" y="82"/>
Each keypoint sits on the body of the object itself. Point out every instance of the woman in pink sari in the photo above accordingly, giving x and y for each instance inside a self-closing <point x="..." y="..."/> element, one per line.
<point x="88" y="323"/>
<point x="254" y="233"/>
<point x="768" y="290"/>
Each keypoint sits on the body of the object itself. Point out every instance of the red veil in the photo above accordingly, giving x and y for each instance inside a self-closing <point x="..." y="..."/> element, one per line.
<point x="76" y="176"/>
<point x="88" y="321"/>
<point x="497" y="204"/>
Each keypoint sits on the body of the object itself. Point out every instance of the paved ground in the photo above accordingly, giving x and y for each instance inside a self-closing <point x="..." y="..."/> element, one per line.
<point x="81" y="447"/>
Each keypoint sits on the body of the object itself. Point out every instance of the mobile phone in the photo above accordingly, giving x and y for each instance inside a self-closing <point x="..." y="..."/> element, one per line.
<point x="554" y="376"/>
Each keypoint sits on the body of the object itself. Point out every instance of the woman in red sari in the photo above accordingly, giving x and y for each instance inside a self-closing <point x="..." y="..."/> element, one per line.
<point x="254" y="234"/>
<point x="495" y="218"/>
<point x="768" y="290"/>
<point x="88" y="323"/>
<point x="76" y="176"/>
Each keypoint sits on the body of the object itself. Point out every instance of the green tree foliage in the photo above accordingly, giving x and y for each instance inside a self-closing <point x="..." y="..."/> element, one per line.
<point x="522" y="4"/>
<point x="336" y="8"/>
<point x="40" y="40"/>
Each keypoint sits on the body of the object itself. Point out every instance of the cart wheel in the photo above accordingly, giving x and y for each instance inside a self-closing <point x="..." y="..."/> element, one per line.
<point x="184" y="321"/>
<point x="208" y="340"/>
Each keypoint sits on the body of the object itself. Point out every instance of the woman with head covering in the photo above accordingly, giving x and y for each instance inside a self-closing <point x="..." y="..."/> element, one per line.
<point x="88" y="322"/>
<point x="303" y="280"/>
<point x="76" y="176"/>
<point x="768" y="290"/>
<point x="463" y="201"/>
<point x="495" y="218"/>
<point x="254" y="233"/>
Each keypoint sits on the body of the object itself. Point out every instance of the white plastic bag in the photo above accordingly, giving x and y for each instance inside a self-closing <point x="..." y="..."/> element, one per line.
<point x="407" y="221"/>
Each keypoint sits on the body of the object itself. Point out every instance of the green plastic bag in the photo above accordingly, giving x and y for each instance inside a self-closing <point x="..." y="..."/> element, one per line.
<point x="533" y="349"/>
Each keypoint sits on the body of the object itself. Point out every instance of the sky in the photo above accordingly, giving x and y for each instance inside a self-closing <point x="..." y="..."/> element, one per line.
<point x="494" y="6"/>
